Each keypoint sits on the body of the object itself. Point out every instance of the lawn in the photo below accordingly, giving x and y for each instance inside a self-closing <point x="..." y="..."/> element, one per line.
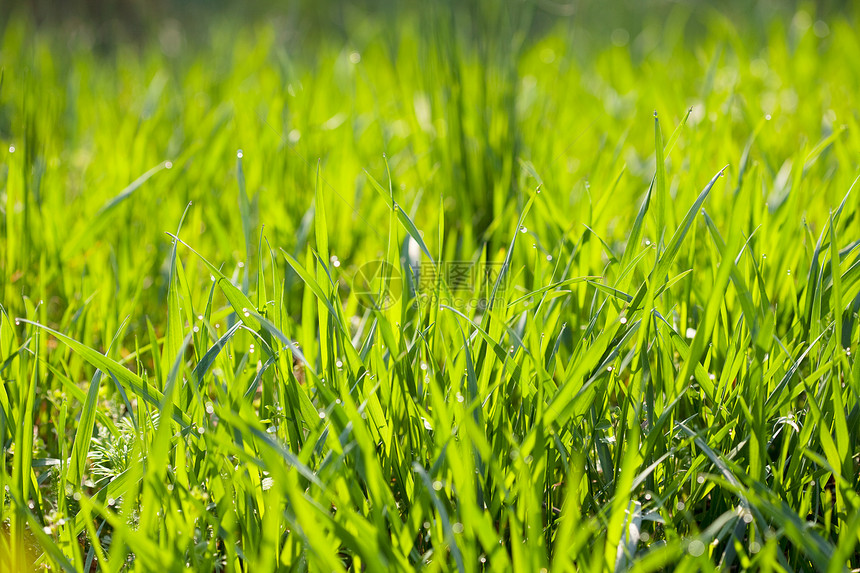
<point x="473" y="288"/>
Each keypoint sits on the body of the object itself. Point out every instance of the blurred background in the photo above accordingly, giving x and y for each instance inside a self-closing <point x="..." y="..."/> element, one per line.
<point x="304" y="21"/>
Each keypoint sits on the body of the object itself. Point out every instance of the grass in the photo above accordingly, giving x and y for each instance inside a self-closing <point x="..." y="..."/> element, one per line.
<point x="223" y="344"/>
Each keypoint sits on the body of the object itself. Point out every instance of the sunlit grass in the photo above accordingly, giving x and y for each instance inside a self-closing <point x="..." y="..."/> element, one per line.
<point x="222" y="348"/>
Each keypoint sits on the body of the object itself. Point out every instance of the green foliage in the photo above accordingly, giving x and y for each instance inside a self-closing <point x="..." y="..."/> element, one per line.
<point x="219" y="349"/>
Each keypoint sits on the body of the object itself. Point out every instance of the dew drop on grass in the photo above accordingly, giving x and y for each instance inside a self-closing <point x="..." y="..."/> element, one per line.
<point x="423" y="366"/>
<point x="11" y="149"/>
<point x="322" y="415"/>
<point x="168" y="165"/>
<point x="623" y="320"/>
<point x="755" y="547"/>
<point x="437" y="485"/>
<point x="339" y="364"/>
<point x="767" y="117"/>
<point x="549" y="257"/>
<point x="239" y="154"/>
<point x="196" y="329"/>
<point x="696" y="548"/>
<point x="523" y="229"/>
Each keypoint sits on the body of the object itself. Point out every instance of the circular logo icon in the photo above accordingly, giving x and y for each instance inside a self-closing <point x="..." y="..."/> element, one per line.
<point x="377" y="284"/>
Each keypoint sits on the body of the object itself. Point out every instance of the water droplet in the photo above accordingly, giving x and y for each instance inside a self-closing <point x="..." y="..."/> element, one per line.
<point x="322" y="415"/>
<point x="239" y="154"/>
<point x="423" y="366"/>
<point x="767" y="117"/>
<point x="241" y="265"/>
<point x="549" y="257"/>
<point x="11" y="149"/>
<point x="168" y="165"/>
<point x="354" y="57"/>
<point x="523" y="229"/>
<point x="339" y="364"/>
<point x="196" y="329"/>
<point x="623" y="320"/>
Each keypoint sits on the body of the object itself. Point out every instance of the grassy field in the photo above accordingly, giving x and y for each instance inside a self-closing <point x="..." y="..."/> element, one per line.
<point x="457" y="297"/>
